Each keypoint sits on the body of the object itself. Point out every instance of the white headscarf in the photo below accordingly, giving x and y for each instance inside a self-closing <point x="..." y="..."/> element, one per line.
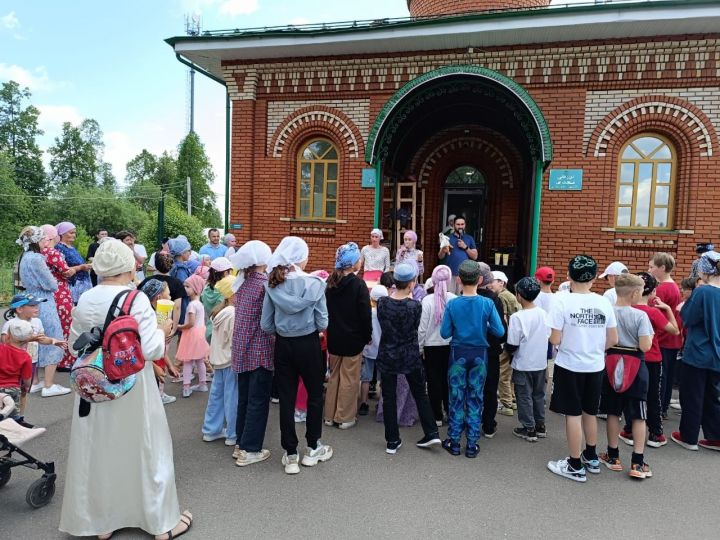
<point x="291" y="251"/>
<point x="113" y="258"/>
<point x="252" y="253"/>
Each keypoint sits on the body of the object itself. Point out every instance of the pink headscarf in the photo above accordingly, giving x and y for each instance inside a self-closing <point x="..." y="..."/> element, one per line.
<point x="64" y="227"/>
<point x="412" y="234"/>
<point x="49" y="231"/>
<point x="440" y="277"/>
<point x="196" y="283"/>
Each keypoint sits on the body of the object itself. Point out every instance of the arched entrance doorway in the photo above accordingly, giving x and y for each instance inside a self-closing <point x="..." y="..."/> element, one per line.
<point x="447" y="123"/>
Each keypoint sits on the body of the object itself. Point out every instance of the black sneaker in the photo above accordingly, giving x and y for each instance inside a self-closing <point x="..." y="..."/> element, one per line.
<point x="364" y="409"/>
<point x="453" y="447"/>
<point x="392" y="447"/>
<point x="525" y="433"/>
<point x="472" y="450"/>
<point x="428" y="440"/>
<point x="540" y="430"/>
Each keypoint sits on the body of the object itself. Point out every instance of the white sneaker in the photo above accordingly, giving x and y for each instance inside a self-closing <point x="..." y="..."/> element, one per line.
<point x="291" y="463"/>
<point x="676" y="406"/>
<point x="237" y="452"/>
<point x="561" y="467"/>
<point x="199" y="388"/>
<point x="506" y="411"/>
<point x="248" y="458"/>
<point x="230" y="442"/>
<point x="211" y="438"/>
<point x="323" y="452"/>
<point x="674" y="400"/>
<point x="55" y="390"/>
<point x="300" y="416"/>
<point x="275" y="400"/>
<point x="347" y="425"/>
<point x="36" y="387"/>
<point x="167" y="399"/>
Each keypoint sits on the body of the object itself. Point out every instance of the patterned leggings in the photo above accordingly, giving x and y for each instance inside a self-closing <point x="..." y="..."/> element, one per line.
<point x="466" y="379"/>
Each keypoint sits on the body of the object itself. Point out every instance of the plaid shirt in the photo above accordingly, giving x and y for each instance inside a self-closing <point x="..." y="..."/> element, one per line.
<point x="251" y="347"/>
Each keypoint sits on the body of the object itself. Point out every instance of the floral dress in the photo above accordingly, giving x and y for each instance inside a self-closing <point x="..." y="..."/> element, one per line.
<point x="63" y="297"/>
<point x="80" y="282"/>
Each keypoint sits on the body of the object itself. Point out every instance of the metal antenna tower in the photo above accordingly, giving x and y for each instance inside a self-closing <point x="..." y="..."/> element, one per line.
<point x="192" y="28"/>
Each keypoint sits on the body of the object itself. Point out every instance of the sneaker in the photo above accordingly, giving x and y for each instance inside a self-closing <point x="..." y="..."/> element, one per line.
<point x="209" y="376"/>
<point x="438" y="423"/>
<point x="186" y="391"/>
<point x="179" y="378"/>
<point x="638" y="471"/>
<point x="275" y="400"/>
<point x="592" y="465"/>
<point x="676" y="406"/>
<point x="54" y="390"/>
<point x="506" y="411"/>
<point x="525" y="433"/>
<point x="627" y="437"/>
<point x="37" y="387"/>
<point x="541" y="431"/>
<point x="656" y="441"/>
<point x="230" y="442"/>
<point x="710" y="445"/>
<point x="364" y="409"/>
<point x="674" y="401"/>
<point x="393" y="447"/>
<point x="646" y="470"/>
<point x="472" y="450"/>
<point x="489" y="434"/>
<point x="601" y="416"/>
<point x="300" y="416"/>
<point x="21" y="422"/>
<point x="675" y="436"/>
<point x="453" y="447"/>
<point x="322" y="452"/>
<point x="167" y="399"/>
<point x="562" y="467"/>
<point x="248" y="458"/>
<point x="613" y="464"/>
<point x="347" y="425"/>
<point x="291" y="463"/>
<point x="237" y="452"/>
<point x="199" y="388"/>
<point x="329" y="423"/>
<point x="428" y="440"/>
<point x="211" y="438"/>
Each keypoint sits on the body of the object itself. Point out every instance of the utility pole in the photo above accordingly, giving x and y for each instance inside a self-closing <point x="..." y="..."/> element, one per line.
<point x="192" y="28"/>
<point x="189" y="204"/>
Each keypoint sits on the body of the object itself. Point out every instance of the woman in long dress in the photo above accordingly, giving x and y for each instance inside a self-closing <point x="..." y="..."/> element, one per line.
<point x="120" y="470"/>
<point x="80" y="281"/>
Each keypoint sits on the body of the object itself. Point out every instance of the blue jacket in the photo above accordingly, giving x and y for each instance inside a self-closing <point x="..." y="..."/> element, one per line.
<point x="701" y="317"/>
<point x="468" y="319"/>
<point x="296" y="307"/>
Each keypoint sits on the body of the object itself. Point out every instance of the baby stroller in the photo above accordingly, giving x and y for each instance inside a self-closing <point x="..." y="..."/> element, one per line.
<point x="12" y="436"/>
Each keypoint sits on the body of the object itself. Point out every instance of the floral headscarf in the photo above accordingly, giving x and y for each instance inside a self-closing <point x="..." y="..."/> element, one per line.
<point x="29" y="235"/>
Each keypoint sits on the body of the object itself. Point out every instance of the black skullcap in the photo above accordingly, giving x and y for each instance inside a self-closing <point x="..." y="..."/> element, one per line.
<point x="582" y="268"/>
<point x="528" y="288"/>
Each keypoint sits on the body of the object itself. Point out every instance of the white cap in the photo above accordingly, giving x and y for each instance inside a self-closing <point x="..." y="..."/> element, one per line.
<point x="614" y="269"/>
<point x="500" y="275"/>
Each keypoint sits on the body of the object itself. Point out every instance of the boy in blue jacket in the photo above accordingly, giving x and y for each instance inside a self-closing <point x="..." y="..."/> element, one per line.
<point x="467" y="320"/>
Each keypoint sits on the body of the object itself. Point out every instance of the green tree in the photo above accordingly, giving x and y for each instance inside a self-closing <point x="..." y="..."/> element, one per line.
<point x="15" y="209"/>
<point x="193" y="163"/>
<point x="176" y="222"/>
<point x="77" y="156"/>
<point x="18" y="137"/>
<point x="142" y="168"/>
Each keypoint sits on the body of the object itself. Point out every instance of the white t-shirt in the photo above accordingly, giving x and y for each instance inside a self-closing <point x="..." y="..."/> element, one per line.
<point x="32" y="347"/>
<point x="583" y="320"/>
<point x="529" y="330"/>
<point x="544" y="301"/>
<point x="140" y="252"/>
<point x="611" y="295"/>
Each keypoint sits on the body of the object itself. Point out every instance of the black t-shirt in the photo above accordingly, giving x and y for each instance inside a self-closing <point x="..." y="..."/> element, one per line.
<point x="177" y="290"/>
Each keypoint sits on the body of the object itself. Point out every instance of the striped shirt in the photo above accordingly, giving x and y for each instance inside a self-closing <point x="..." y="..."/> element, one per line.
<point x="251" y="347"/>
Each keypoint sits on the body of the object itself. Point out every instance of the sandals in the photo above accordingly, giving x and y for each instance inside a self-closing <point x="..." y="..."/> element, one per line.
<point x="185" y="519"/>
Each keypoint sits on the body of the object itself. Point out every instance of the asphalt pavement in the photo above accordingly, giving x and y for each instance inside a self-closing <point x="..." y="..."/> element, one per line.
<point x="506" y="492"/>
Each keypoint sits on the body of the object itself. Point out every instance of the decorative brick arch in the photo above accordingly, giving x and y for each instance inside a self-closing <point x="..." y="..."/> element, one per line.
<point x="314" y="117"/>
<point x="669" y="110"/>
<point x="497" y="155"/>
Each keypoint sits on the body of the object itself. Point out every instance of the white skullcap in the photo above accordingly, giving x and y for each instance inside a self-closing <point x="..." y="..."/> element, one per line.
<point x="113" y="258"/>
<point x="377" y="292"/>
<point x="292" y="250"/>
<point x="252" y="253"/>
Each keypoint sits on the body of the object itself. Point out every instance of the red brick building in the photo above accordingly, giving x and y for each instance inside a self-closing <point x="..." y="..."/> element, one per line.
<point x="590" y="128"/>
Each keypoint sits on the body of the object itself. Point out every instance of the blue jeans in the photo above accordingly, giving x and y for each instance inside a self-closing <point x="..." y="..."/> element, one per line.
<point x="466" y="378"/>
<point x="253" y="407"/>
<point x="221" y="411"/>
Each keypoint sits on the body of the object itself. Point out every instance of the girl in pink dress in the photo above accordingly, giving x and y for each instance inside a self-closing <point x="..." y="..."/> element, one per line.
<point x="193" y="347"/>
<point x="63" y="297"/>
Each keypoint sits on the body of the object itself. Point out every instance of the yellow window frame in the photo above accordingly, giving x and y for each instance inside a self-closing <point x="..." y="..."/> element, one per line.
<point x="325" y="162"/>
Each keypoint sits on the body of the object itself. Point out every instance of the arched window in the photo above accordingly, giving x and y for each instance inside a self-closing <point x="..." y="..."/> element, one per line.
<point x="646" y="183"/>
<point x="465" y="176"/>
<point x="317" y="166"/>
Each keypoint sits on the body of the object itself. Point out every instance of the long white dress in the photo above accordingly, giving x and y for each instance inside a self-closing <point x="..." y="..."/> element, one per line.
<point x="120" y="470"/>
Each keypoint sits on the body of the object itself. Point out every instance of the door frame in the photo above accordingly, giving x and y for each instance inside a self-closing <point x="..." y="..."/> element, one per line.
<point x="466" y="191"/>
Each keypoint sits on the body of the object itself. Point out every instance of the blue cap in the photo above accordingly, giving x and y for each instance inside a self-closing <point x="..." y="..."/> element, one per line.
<point x="25" y="299"/>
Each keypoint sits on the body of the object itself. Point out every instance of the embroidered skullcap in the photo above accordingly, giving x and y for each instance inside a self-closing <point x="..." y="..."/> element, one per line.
<point x="441" y="275"/>
<point x="377" y="292"/>
<point x="291" y="251"/>
<point x="582" y="268"/>
<point x="709" y="263"/>
<point x="377" y="232"/>
<point x="196" y="283"/>
<point x="113" y="258"/>
<point x="225" y="286"/>
<point x="405" y="272"/>
<point x="469" y="271"/>
<point x="650" y="283"/>
<point x="411" y="234"/>
<point x="64" y="227"/>
<point x="528" y="288"/>
<point x="220" y="264"/>
<point x="152" y="288"/>
<point x="346" y="256"/>
<point x="50" y="231"/>
<point x="29" y="235"/>
<point x="178" y="246"/>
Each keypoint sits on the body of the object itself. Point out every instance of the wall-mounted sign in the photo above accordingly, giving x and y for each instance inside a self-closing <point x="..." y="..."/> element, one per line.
<point x="236" y="226"/>
<point x="566" y="179"/>
<point x="368" y="178"/>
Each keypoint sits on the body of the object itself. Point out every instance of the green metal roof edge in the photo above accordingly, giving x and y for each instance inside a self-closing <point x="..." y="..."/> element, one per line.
<point x="296" y="31"/>
<point x="516" y="89"/>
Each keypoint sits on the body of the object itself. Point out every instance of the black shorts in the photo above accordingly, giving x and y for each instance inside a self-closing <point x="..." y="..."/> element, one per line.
<point x="575" y="393"/>
<point x="616" y="404"/>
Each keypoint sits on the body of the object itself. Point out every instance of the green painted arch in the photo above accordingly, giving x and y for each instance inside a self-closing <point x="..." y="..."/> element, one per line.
<point x="543" y="131"/>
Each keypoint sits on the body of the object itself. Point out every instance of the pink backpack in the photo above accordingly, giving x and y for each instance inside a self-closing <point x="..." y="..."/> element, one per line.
<point x="121" y="348"/>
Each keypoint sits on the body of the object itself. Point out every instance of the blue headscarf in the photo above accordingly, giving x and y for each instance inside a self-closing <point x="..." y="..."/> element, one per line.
<point x="709" y="263"/>
<point x="346" y="256"/>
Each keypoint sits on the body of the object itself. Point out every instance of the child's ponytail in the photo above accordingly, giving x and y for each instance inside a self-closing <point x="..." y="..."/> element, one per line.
<point x="278" y="276"/>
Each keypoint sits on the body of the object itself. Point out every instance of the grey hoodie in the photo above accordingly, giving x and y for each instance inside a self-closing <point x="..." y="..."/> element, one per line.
<point x="296" y="307"/>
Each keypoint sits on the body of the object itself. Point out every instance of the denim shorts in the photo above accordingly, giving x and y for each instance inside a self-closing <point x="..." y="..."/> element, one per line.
<point x="368" y="366"/>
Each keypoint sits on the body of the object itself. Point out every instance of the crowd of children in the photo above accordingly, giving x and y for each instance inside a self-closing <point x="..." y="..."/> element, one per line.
<point x="256" y="321"/>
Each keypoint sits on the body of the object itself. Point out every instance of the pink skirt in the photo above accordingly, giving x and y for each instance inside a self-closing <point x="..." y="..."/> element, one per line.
<point x="193" y="345"/>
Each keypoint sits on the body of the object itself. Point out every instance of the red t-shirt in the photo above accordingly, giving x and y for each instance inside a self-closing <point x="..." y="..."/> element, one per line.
<point x="669" y="293"/>
<point x="659" y="322"/>
<point x="15" y="365"/>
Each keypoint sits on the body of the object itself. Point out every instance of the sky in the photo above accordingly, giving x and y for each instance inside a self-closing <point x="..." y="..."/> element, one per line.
<point x="108" y="61"/>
